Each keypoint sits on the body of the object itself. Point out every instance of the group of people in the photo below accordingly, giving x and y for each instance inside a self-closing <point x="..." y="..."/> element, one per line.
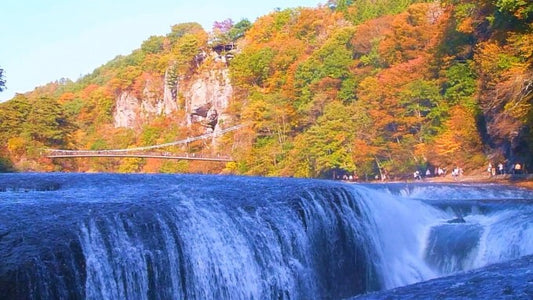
<point x="515" y="168"/>
<point x="417" y="175"/>
<point x="499" y="169"/>
<point x="456" y="172"/>
<point x="350" y="177"/>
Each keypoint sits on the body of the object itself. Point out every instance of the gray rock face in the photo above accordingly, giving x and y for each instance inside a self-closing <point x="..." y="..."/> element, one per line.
<point x="126" y="111"/>
<point x="209" y="89"/>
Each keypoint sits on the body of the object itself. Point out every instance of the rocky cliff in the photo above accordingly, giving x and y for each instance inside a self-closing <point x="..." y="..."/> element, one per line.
<point x="204" y="96"/>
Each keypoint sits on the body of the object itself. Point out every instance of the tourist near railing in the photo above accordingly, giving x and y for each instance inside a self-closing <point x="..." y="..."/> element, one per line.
<point x="141" y="151"/>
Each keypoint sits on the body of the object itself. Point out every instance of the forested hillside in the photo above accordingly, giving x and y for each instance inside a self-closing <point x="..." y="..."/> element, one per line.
<point x="375" y="87"/>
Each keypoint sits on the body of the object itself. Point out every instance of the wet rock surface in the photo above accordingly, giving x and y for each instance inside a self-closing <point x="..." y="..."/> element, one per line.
<point x="508" y="280"/>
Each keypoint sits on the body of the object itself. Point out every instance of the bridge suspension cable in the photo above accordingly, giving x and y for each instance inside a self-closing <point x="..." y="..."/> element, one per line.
<point x="136" y="152"/>
<point x="136" y="149"/>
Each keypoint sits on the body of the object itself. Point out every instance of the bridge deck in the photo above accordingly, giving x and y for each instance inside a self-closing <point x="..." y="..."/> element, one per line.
<point x="140" y="155"/>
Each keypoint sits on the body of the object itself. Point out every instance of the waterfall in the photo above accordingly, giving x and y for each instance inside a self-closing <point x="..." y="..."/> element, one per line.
<point x="105" y="236"/>
<point x="474" y="225"/>
<point x="307" y="246"/>
<point x="399" y="229"/>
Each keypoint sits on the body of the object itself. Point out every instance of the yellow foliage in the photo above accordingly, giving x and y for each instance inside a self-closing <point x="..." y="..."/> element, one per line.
<point x="16" y="146"/>
<point x="466" y="26"/>
<point x="130" y="165"/>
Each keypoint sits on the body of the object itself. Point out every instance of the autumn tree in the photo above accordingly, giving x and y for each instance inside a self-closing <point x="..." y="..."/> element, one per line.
<point x="271" y="118"/>
<point x="179" y="30"/>
<point x="328" y="145"/>
<point x="423" y="109"/>
<point x="460" y="143"/>
<point x="333" y="60"/>
<point x="220" y="32"/>
<point x="153" y="45"/>
<point x="47" y="123"/>
<point x="359" y="11"/>
<point x="13" y="115"/>
<point x="239" y="29"/>
<point x="460" y="84"/>
<point x="252" y="67"/>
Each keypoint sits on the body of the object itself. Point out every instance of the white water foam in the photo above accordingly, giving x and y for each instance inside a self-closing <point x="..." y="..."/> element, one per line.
<point x="402" y="224"/>
<point x="399" y="232"/>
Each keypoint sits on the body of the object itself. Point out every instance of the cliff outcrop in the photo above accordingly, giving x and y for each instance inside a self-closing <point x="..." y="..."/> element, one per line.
<point x="204" y="97"/>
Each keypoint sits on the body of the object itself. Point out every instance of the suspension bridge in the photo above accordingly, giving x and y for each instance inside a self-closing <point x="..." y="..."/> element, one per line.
<point x="148" y="151"/>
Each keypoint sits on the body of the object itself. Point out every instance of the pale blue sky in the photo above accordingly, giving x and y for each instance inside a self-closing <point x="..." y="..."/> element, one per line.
<point x="45" y="40"/>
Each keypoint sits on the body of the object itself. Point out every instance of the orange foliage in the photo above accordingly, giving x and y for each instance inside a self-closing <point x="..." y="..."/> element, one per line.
<point x="310" y="26"/>
<point x="390" y="77"/>
<point x="148" y="86"/>
<point x="403" y="73"/>
<point x="381" y="94"/>
<point x="152" y="165"/>
<point x="460" y="141"/>
<point x="363" y="151"/>
<point x="413" y="31"/>
<point x="202" y="167"/>
<point x="369" y="31"/>
<point x="86" y="92"/>
<point x="466" y="25"/>
<point x="66" y="97"/>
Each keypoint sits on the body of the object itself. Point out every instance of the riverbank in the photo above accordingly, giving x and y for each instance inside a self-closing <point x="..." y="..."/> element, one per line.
<point x="522" y="180"/>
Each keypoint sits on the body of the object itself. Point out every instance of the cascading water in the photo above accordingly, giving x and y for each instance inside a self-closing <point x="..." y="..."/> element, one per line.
<point x="103" y="236"/>
<point x="399" y="229"/>
<point x="473" y="225"/>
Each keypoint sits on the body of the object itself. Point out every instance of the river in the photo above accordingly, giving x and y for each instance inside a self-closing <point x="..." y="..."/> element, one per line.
<point x="132" y="236"/>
